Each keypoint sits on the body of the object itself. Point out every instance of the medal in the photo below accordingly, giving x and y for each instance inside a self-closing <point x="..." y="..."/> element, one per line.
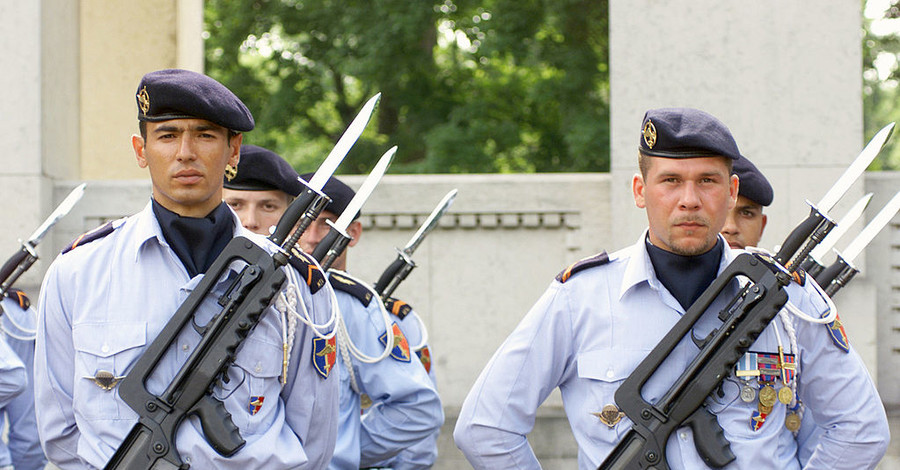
<point x="792" y="422"/>
<point x="767" y="396"/>
<point x="748" y="394"/>
<point x="785" y="395"/>
<point x="764" y="409"/>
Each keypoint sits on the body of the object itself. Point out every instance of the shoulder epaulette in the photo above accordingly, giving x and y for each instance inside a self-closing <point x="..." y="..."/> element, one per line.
<point x="20" y="297"/>
<point x="307" y="268"/>
<point x="397" y="307"/>
<point x="88" y="237"/>
<point x="596" y="260"/>
<point x="345" y="284"/>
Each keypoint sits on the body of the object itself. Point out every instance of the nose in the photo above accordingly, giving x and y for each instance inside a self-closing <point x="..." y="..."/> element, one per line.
<point x="185" y="149"/>
<point x="250" y="221"/>
<point x="690" y="197"/>
<point x="730" y="227"/>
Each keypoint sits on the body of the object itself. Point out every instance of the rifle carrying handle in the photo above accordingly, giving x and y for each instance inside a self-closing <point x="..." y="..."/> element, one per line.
<point x="220" y="431"/>
<point x="709" y="438"/>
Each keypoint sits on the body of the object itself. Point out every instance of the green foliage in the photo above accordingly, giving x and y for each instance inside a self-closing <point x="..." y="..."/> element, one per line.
<point x="880" y="86"/>
<point x="467" y="85"/>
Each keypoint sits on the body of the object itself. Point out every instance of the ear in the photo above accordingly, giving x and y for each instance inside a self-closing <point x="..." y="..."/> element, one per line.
<point x="355" y="231"/>
<point x="637" y="188"/>
<point x="137" y="142"/>
<point x="235" y="150"/>
<point x="734" y="183"/>
<point x="763" y="228"/>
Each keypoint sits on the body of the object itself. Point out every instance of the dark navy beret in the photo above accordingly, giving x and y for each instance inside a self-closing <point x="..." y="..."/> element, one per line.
<point x="261" y="169"/>
<point x="182" y="94"/>
<point x="753" y="185"/>
<point x="685" y="133"/>
<point x="340" y="194"/>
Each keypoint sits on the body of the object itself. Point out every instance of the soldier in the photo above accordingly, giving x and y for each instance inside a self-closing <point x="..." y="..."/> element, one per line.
<point x="602" y="316"/>
<point x="108" y="295"/>
<point x="23" y="449"/>
<point x="746" y="221"/>
<point x="405" y="407"/>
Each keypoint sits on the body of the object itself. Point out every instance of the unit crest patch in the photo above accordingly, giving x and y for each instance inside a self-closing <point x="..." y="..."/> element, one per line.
<point x="307" y="268"/>
<point x="838" y="335"/>
<point x="400" y="351"/>
<point x="324" y="355"/>
<point x="398" y="307"/>
<point x="425" y="358"/>
<point x="88" y="237"/>
<point x="590" y="262"/>
<point x="350" y="286"/>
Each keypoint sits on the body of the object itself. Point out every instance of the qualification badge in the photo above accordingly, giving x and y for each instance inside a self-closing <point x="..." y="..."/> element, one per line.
<point x="609" y="415"/>
<point x="105" y="379"/>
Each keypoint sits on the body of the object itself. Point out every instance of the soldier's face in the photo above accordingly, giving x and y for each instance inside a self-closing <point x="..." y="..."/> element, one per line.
<point x="258" y="210"/>
<point x="320" y="227"/>
<point x="187" y="159"/>
<point x="745" y="224"/>
<point x="687" y="201"/>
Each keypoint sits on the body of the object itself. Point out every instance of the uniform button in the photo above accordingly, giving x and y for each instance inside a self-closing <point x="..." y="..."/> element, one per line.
<point x="184" y="347"/>
<point x="258" y="367"/>
<point x="610" y="374"/>
<point x="105" y="348"/>
<point x="683" y="435"/>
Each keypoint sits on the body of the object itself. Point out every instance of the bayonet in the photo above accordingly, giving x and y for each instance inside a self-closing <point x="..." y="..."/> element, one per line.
<point x="309" y="203"/>
<point x="817" y="225"/>
<point x="404" y="264"/>
<point x="813" y="263"/>
<point x="23" y="259"/>
<point x="839" y="273"/>
<point x="334" y="243"/>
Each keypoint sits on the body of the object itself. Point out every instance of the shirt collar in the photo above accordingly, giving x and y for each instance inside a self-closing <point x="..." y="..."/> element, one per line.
<point x="639" y="269"/>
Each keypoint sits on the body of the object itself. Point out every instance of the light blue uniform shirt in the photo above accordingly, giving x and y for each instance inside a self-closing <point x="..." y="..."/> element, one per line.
<point x="423" y="454"/>
<point x="23" y="450"/>
<point x="406" y="407"/>
<point x="586" y="336"/>
<point x="104" y="302"/>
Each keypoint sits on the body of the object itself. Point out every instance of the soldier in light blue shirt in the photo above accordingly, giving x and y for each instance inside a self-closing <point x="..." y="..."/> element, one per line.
<point x="603" y="315"/>
<point x="23" y="449"/>
<point x="405" y="407"/>
<point x="110" y="293"/>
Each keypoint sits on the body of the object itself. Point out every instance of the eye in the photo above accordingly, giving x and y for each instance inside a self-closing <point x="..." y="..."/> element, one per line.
<point x="234" y="204"/>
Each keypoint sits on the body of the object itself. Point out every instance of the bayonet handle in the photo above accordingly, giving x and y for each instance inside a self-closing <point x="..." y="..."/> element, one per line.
<point x="829" y="274"/>
<point x="303" y="211"/>
<point x="330" y="248"/>
<point x="394" y="275"/>
<point x="20" y="258"/>
<point x="811" y="266"/>
<point x="799" y="235"/>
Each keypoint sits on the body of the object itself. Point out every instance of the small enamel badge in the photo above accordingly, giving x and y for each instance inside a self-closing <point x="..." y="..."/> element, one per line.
<point x="610" y="415"/>
<point x="324" y="355"/>
<point x="400" y="351"/>
<point x="105" y="380"/>
<point x="255" y="404"/>
<point x="838" y="335"/>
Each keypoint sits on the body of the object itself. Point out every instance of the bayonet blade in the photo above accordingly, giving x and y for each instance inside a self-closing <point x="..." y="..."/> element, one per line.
<point x="855" y="169"/>
<point x="868" y="233"/>
<point x="343" y="145"/>
<point x="430" y="223"/>
<point x="61" y="210"/>
<point x="841" y="228"/>
<point x="364" y="191"/>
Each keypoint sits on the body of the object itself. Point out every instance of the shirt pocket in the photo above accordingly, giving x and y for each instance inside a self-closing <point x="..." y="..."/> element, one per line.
<point x="602" y="372"/>
<point x="104" y="352"/>
<point x="255" y="401"/>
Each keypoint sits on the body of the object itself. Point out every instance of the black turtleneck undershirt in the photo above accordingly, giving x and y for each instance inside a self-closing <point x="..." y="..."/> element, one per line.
<point x="686" y="277"/>
<point x="196" y="240"/>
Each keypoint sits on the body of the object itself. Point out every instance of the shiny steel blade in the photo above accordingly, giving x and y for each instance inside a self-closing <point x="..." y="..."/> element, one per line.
<point x="841" y="228"/>
<point x="855" y="169"/>
<point x="343" y="145"/>
<point x="365" y="190"/>
<point x="61" y="210"/>
<point x="430" y="223"/>
<point x="862" y="240"/>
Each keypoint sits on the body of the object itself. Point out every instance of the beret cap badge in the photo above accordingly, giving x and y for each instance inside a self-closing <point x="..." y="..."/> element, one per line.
<point x="230" y="172"/>
<point x="144" y="100"/>
<point x="649" y="134"/>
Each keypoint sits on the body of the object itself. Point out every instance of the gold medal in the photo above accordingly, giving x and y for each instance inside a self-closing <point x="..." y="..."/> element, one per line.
<point x="767" y="396"/>
<point x="792" y="422"/>
<point x="785" y="395"/>
<point x="764" y="409"/>
<point x="364" y="401"/>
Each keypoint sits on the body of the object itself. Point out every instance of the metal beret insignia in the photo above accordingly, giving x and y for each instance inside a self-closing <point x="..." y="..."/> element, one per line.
<point x="143" y="98"/>
<point x="649" y="134"/>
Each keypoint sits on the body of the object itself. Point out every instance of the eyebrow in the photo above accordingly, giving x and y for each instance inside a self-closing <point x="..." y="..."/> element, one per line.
<point x="197" y="128"/>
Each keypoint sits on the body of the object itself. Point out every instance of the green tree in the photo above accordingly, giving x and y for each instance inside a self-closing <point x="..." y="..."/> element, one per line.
<point x="881" y="53"/>
<point x="467" y="85"/>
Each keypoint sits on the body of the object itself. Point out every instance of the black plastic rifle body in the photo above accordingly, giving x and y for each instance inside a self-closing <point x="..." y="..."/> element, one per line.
<point x="743" y="319"/>
<point x="151" y="442"/>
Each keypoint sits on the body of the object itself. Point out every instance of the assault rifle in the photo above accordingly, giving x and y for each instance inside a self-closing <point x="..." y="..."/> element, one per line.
<point x="151" y="442"/>
<point x="743" y="319"/>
